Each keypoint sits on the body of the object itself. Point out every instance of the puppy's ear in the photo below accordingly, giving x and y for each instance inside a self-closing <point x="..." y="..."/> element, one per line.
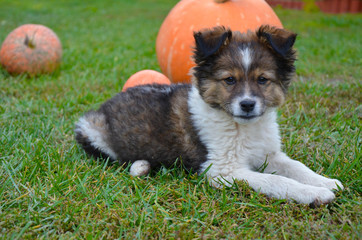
<point x="210" y="41"/>
<point x="279" y="40"/>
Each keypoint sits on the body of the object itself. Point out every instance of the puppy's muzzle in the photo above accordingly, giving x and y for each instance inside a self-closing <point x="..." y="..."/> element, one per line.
<point x="247" y="105"/>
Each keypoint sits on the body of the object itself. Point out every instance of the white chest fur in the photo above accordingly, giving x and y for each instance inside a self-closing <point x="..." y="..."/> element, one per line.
<point x="232" y="146"/>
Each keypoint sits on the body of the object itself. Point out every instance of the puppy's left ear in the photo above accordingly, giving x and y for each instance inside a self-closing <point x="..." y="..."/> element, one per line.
<point x="279" y="40"/>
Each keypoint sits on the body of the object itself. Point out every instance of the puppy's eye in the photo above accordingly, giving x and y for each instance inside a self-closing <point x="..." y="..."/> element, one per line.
<point x="230" y="80"/>
<point x="262" y="80"/>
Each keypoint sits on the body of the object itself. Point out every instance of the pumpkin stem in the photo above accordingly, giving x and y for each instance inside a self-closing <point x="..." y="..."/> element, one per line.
<point x="29" y="43"/>
<point x="220" y="1"/>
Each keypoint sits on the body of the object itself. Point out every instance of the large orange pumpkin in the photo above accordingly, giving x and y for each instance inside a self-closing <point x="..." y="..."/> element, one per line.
<point x="175" y="38"/>
<point x="145" y="77"/>
<point x="31" y="48"/>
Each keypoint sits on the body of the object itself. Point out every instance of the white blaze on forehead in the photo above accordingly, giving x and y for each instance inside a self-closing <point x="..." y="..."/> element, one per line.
<point x="246" y="57"/>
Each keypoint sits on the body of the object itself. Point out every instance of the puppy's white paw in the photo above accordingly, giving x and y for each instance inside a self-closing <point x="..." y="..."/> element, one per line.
<point x="140" y="168"/>
<point x="316" y="196"/>
<point x="333" y="184"/>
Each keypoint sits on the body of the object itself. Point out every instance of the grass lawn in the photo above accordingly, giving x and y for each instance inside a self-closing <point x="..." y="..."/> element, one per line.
<point x="50" y="189"/>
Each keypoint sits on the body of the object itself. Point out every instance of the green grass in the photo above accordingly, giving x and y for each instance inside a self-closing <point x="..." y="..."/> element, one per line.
<point x="50" y="189"/>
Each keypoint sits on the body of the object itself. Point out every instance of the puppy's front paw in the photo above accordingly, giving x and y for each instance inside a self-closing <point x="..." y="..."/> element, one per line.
<point x="324" y="197"/>
<point x="320" y="181"/>
<point x="316" y="196"/>
<point x="334" y="184"/>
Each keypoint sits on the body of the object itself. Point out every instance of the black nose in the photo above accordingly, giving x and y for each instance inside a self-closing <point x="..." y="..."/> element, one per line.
<point x="247" y="105"/>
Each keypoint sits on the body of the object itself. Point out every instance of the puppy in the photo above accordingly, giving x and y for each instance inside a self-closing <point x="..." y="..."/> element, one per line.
<point x="224" y="123"/>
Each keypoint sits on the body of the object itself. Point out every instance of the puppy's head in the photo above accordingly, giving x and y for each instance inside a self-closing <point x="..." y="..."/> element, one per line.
<point x="244" y="74"/>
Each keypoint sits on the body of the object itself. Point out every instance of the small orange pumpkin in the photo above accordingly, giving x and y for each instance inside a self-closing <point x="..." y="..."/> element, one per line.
<point x="145" y="77"/>
<point x="175" y="38"/>
<point x="31" y="49"/>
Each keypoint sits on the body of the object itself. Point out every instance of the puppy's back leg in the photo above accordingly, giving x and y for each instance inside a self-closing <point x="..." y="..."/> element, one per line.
<point x="91" y="133"/>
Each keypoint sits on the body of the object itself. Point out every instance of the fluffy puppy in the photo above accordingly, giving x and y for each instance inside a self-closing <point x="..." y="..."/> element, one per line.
<point x="224" y="122"/>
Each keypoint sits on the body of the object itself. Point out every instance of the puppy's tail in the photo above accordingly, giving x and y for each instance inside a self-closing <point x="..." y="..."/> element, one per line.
<point x="91" y="133"/>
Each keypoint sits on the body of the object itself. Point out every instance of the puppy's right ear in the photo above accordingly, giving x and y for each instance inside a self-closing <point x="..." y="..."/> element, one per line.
<point x="210" y="41"/>
<point x="280" y="41"/>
